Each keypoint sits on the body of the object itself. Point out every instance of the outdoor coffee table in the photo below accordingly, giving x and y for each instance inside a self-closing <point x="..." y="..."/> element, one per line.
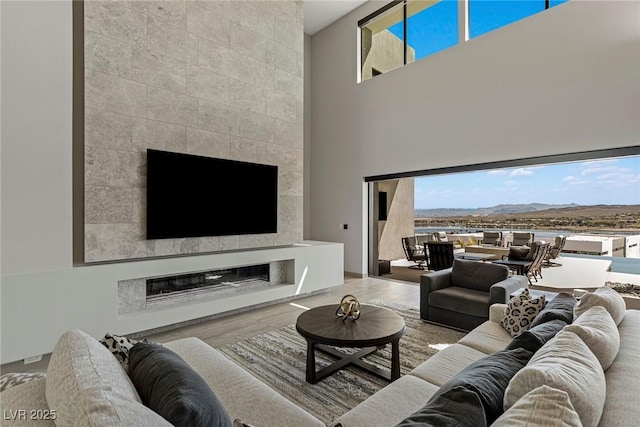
<point x="375" y="328"/>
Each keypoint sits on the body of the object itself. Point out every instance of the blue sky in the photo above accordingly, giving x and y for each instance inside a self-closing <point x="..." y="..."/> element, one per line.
<point x="611" y="181"/>
<point x="436" y="28"/>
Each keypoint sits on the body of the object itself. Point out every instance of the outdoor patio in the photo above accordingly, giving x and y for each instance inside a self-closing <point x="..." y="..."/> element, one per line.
<point x="574" y="273"/>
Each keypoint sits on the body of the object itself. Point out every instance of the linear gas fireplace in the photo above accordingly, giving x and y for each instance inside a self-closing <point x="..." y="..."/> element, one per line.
<point x="149" y="292"/>
<point x="252" y="276"/>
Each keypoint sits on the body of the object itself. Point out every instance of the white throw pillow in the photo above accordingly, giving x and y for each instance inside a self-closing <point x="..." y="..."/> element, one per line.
<point x="86" y="386"/>
<point x="599" y="332"/>
<point x="566" y="363"/>
<point x="541" y="407"/>
<point x="606" y="297"/>
<point x="520" y="311"/>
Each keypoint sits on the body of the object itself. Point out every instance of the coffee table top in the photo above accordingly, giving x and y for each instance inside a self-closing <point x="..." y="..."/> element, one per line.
<point x="376" y="326"/>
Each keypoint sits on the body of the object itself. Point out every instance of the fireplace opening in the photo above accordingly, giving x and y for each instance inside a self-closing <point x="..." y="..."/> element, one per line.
<point x="212" y="280"/>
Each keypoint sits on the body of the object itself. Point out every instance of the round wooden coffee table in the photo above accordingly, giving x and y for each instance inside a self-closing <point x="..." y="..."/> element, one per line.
<point x="375" y="328"/>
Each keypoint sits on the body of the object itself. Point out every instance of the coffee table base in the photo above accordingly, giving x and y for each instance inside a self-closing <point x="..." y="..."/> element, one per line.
<point x="346" y="359"/>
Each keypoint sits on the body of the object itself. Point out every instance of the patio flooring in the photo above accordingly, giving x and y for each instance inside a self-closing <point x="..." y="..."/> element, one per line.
<point x="574" y="273"/>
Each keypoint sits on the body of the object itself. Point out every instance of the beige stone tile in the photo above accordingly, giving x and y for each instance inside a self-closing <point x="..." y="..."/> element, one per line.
<point x="173" y="12"/>
<point x="218" y="117"/>
<point x="282" y="57"/>
<point x="207" y="84"/>
<point x="281" y="105"/>
<point x="259" y="20"/>
<point x="139" y="213"/>
<point x="156" y="69"/>
<point x="193" y="49"/>
<point x="172" y="107"/>
<point x="257" y="126"/>
<point x="115" y="19"/>
<point x="227" y="9"/>
<point x="161" y="247"/>
<point x="246" y="149"/>
<point x="291" y="182"/>
<point x="248" y="96"/>
<point x="108" y="130"/>
<point x="106" y="205"/>
<point x="289" y="84"/>
<point x="116" y="94"/>
<point x="205" y="143"/>
<point x="107" y="55"/>
<point x="206" y="23"/>
<point x="219" y="243"/>
<point x="248" y="42"/>
<point x="290" y="208"/>
<point x="256" y="72"/>
<point x="218" y="58"/>
<point x="114" y="168"/>
<point x="289" y="133"/>
<point x="288" y="35"/>
<point x="106" y="242"/>
<point x="159" y="136"/>
<point x="167" y="39"/>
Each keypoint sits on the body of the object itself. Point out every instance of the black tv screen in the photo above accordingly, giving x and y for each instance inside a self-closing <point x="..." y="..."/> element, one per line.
<point x="196" y="196"/>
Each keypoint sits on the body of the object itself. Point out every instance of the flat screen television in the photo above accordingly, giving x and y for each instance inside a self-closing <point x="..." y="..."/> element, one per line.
<point x="196" y="196"/>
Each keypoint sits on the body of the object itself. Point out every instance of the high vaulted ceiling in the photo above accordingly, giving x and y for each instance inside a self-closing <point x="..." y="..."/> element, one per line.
<point x="321" y="13"/>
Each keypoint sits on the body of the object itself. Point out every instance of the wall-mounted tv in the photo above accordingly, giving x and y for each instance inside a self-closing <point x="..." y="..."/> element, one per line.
<point x="196" y="196"/>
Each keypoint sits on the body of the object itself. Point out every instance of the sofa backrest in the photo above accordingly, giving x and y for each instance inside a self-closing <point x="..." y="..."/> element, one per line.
<point x="476" y="275"/>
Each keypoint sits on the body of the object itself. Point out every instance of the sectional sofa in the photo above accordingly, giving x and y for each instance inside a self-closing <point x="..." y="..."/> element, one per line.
<point x="85" y="385"/>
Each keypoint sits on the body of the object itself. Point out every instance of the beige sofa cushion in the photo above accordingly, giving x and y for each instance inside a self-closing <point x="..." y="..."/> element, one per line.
<point x="599" y="332"/>
<point x="446" y="364"/>
<point x="390" y="405"/>
<point x="243" y="396"/>
<point x="488" y="337"/>
<point x="606" y="297"/>
<point x="623" y="388"/>
<point x="541" y="407"/>
<point x="565" y="363"/>
<point x="87" y="386"/>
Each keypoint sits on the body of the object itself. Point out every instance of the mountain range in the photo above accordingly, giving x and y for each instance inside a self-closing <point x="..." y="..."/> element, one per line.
<point x="493" y="210"/>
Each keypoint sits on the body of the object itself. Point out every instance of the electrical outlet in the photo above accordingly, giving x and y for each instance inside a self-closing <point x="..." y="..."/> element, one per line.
<point x="345" y="226"/>
<point x="32" y="359"/>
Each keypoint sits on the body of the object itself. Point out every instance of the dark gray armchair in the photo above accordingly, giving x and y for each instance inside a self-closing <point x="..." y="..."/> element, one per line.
<point x="460" y="296"/>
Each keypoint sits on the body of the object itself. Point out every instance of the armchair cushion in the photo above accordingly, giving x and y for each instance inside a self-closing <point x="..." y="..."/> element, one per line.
<point x="461" y="300"/>
<point x="477" y="275"/>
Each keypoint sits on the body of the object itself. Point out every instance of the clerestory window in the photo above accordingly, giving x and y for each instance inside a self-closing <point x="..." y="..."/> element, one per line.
<point x="405" y="31"/>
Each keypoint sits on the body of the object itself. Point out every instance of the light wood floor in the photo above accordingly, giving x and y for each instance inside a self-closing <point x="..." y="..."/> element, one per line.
<point x="225" y="330"/>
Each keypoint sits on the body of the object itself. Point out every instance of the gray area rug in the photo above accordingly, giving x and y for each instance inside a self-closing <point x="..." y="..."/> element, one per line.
<point x="278" y="358"/>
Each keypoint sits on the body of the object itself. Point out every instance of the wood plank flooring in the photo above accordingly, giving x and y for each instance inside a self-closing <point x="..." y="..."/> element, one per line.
<point x="228" y="329"/>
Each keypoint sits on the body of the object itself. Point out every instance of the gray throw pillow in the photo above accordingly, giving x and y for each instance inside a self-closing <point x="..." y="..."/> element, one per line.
<point x="560" y="307"/>
<point x="170" y="387"/>
<point x="458" y="406"/>
<point x="535" y="337"/>
<point x="488" y="378"/>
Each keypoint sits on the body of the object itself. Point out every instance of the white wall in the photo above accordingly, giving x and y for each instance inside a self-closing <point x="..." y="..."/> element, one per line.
<point x="36" y="136"/>
<point x="562" y="81"/>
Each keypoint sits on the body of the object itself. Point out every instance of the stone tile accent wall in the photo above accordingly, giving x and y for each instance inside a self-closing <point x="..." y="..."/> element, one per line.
<point x="213" y="78"/>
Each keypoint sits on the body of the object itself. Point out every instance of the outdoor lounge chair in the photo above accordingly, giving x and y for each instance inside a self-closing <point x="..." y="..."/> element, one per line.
<point x="493" y="238"/>
<point x="522" y="239"/>
<point x="554" y="251"/>
<point x="414" y="251"/>
<point x="440" y="255"/>
<point x="441" y="236"/>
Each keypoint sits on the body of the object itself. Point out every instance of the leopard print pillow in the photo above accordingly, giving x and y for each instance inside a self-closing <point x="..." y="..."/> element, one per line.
<point x="119" y="346"/>
<point x="520" y="312"/>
